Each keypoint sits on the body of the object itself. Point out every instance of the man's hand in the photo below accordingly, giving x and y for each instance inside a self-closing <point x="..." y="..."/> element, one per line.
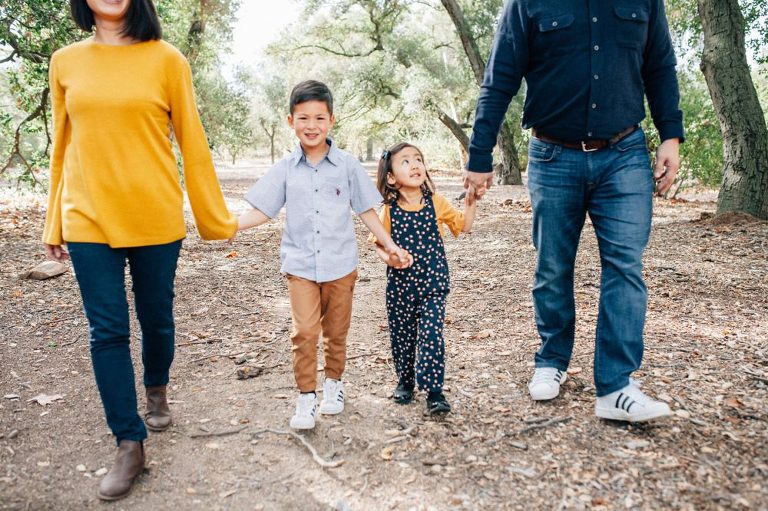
<point x="477" y="183"/>
<point x="667" y="165"/>
<point x="55" y="252"/>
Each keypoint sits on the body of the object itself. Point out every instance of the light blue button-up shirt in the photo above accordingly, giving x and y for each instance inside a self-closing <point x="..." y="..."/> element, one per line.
<point x="318" y="236"/>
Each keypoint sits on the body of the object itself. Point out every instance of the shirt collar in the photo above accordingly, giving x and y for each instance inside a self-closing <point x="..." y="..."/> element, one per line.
<point x="333" y="154"/>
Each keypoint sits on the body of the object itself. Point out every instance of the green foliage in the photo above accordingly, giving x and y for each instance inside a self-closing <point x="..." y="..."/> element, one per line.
<point x="394" y="67"/>
<point x="31" y="30"/>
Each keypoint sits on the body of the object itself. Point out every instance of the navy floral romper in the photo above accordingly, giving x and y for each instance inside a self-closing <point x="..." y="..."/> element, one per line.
<point x="416" y="298"/>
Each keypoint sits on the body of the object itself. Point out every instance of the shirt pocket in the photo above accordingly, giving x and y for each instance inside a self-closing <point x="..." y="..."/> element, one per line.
<point x="554" y="35"/>
<point x="631" y="27"/>
<point x="335" y="193"/>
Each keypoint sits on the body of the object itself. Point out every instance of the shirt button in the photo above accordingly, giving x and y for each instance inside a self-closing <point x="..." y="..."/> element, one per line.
<point x="589" y="134"/>
<point x="315" y="189"/>
<point x="554" y="23"/>
<point x="317" y="212"/>
<point x="594" y="105"/>
<point x="318" y="232"/>
<point x="597" y="47"/>
<point x="634" y="15"/>
<point x="596" y="77"/>
<point x="318" y="251"/>
<point x="594" y="19"/>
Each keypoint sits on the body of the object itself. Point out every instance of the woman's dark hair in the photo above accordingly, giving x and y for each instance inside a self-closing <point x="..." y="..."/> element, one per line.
<point x="311" y="90"/>
<point x="392" y="192"/>
<point x="141" y="22"/>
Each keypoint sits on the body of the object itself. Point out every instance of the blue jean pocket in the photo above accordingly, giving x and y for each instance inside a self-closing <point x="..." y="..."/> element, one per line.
<point x="632" y="142"/>
<point x="542" y="152"/>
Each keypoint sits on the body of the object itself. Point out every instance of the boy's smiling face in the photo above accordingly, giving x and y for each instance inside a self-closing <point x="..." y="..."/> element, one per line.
<point x="311" y="121"/>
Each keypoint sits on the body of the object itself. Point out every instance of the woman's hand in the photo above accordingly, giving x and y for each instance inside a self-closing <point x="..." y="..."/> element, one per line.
<point x="56" y="252"/>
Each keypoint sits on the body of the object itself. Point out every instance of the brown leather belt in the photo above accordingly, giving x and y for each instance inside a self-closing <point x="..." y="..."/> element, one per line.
<point x="585" y="145"/>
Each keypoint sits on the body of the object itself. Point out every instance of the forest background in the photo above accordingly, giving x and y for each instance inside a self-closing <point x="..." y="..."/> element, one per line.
<point x="400" y="70"/>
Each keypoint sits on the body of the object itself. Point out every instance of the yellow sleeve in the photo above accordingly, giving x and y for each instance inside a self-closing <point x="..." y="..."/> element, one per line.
<point x="448" y="215"/>
<point x="385" y="221"/>
<point x="213" y="219"/>
<point x="61" y="135"/>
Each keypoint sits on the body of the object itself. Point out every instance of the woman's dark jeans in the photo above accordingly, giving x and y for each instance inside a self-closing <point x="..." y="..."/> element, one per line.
<point x="100" y="272"/>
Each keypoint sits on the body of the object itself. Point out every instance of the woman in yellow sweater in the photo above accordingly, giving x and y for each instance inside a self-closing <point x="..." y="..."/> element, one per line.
<point x="115" y="196"/>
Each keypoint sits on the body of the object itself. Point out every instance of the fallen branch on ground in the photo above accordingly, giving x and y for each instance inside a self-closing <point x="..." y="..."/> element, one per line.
<point x="225" y="432"/>
<point x="320" y="461"/>
<point x="545" y="424"/>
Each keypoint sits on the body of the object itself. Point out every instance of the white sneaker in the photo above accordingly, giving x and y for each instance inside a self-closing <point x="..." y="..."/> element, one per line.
<point x="333" y="397"/>
<point x="546" y="382"/>
<point x="630" y="404"/>
<point x="306" y="408"/>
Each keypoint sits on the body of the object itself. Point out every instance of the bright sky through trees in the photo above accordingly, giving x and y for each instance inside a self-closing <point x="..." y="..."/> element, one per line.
<point x="259" y="22"/>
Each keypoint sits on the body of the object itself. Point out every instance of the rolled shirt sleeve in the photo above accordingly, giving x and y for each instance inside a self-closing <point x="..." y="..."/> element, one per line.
<point x="363" y="193"/>
<point x="268" y="193"/>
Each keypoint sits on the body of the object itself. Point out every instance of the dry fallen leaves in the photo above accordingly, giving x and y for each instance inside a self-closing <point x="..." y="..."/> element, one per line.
<point x="45" y="399"/>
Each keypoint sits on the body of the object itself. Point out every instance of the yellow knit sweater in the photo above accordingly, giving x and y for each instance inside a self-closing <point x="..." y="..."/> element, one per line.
<point x="114" y="178"/>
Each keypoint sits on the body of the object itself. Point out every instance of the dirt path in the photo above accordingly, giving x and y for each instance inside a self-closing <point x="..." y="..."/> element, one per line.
<point x="707" y="355"/>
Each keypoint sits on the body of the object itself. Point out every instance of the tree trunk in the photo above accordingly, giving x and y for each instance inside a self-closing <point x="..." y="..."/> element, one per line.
<point x="454" y="127"/>
<point x="458" y="132"/>
<point x="272" y="146"/>
<point x="508" y="171"/>
<point x="745" y="137"/>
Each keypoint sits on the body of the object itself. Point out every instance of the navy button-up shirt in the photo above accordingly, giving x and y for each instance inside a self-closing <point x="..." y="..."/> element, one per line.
<point x="587" y="65"/>
<point x="318" y="236"/>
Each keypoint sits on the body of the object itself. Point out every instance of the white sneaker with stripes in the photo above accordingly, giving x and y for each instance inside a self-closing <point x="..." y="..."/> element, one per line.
<point x="333" y="397"/>
<point x="306" y="409"/>
<point x="546" y="382"/>
<point x="630" y="404"/>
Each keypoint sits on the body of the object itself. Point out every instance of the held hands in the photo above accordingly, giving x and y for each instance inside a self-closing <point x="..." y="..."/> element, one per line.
<point x="667" y="165"/>
<point x="476" y="184"/>
<point x="396" y="257"/>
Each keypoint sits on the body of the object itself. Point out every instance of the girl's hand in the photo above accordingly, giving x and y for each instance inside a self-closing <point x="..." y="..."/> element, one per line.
<point x="395" y="262"/>
<point x="402" y="257"/>
<point x="393" y="259"/>
<point x="56" y="252"/>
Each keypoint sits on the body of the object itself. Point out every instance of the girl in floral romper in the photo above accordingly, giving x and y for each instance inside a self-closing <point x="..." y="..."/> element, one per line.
<point x="415" y="215"/>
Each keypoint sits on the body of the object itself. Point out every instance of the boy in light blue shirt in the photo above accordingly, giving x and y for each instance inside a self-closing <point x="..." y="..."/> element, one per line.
<point x="319" y="185"/>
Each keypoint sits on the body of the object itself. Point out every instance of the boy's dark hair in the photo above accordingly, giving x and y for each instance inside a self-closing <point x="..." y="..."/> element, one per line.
<point x="391" y="192"/>
<point x="141" y="22"/>
<point x="311" y="90"/>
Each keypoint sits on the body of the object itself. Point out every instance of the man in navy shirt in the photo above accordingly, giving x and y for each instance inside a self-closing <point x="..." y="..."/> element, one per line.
<point x="587" y="66"/>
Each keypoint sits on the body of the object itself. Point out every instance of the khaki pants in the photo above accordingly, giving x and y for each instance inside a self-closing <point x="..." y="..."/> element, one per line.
<point x="320" y="307"/>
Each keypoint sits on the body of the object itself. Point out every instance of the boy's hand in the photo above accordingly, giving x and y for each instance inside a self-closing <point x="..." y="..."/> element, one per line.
<point x="403" y="257"/>
<point x="395" y="261"/>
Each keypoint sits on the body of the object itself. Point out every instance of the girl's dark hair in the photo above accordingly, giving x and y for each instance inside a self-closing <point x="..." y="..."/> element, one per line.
<point x="391" y="192"/>
<point x="141" y="22"/>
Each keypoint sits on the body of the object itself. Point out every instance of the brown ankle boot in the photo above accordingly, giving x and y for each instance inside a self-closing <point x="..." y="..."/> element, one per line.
<point x="128" y="466"/>
<point x="158" y="417"/>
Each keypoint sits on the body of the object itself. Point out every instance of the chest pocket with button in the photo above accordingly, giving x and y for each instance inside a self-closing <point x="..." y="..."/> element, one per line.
<point x="554" y="35"/>
<point x="631" y="27"/>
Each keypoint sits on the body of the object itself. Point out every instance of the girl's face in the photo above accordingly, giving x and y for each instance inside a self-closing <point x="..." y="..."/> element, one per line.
<point x="109" y="10"/>
<point x="408" y="170"/>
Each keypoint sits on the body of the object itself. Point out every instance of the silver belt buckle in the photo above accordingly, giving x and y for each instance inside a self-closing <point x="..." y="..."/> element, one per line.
<point x="584" y="148"/>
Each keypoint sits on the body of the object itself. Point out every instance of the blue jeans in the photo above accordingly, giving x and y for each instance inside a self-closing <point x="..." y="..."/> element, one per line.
<point x="615" y="187"/>
<point x="100" y="273"/>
